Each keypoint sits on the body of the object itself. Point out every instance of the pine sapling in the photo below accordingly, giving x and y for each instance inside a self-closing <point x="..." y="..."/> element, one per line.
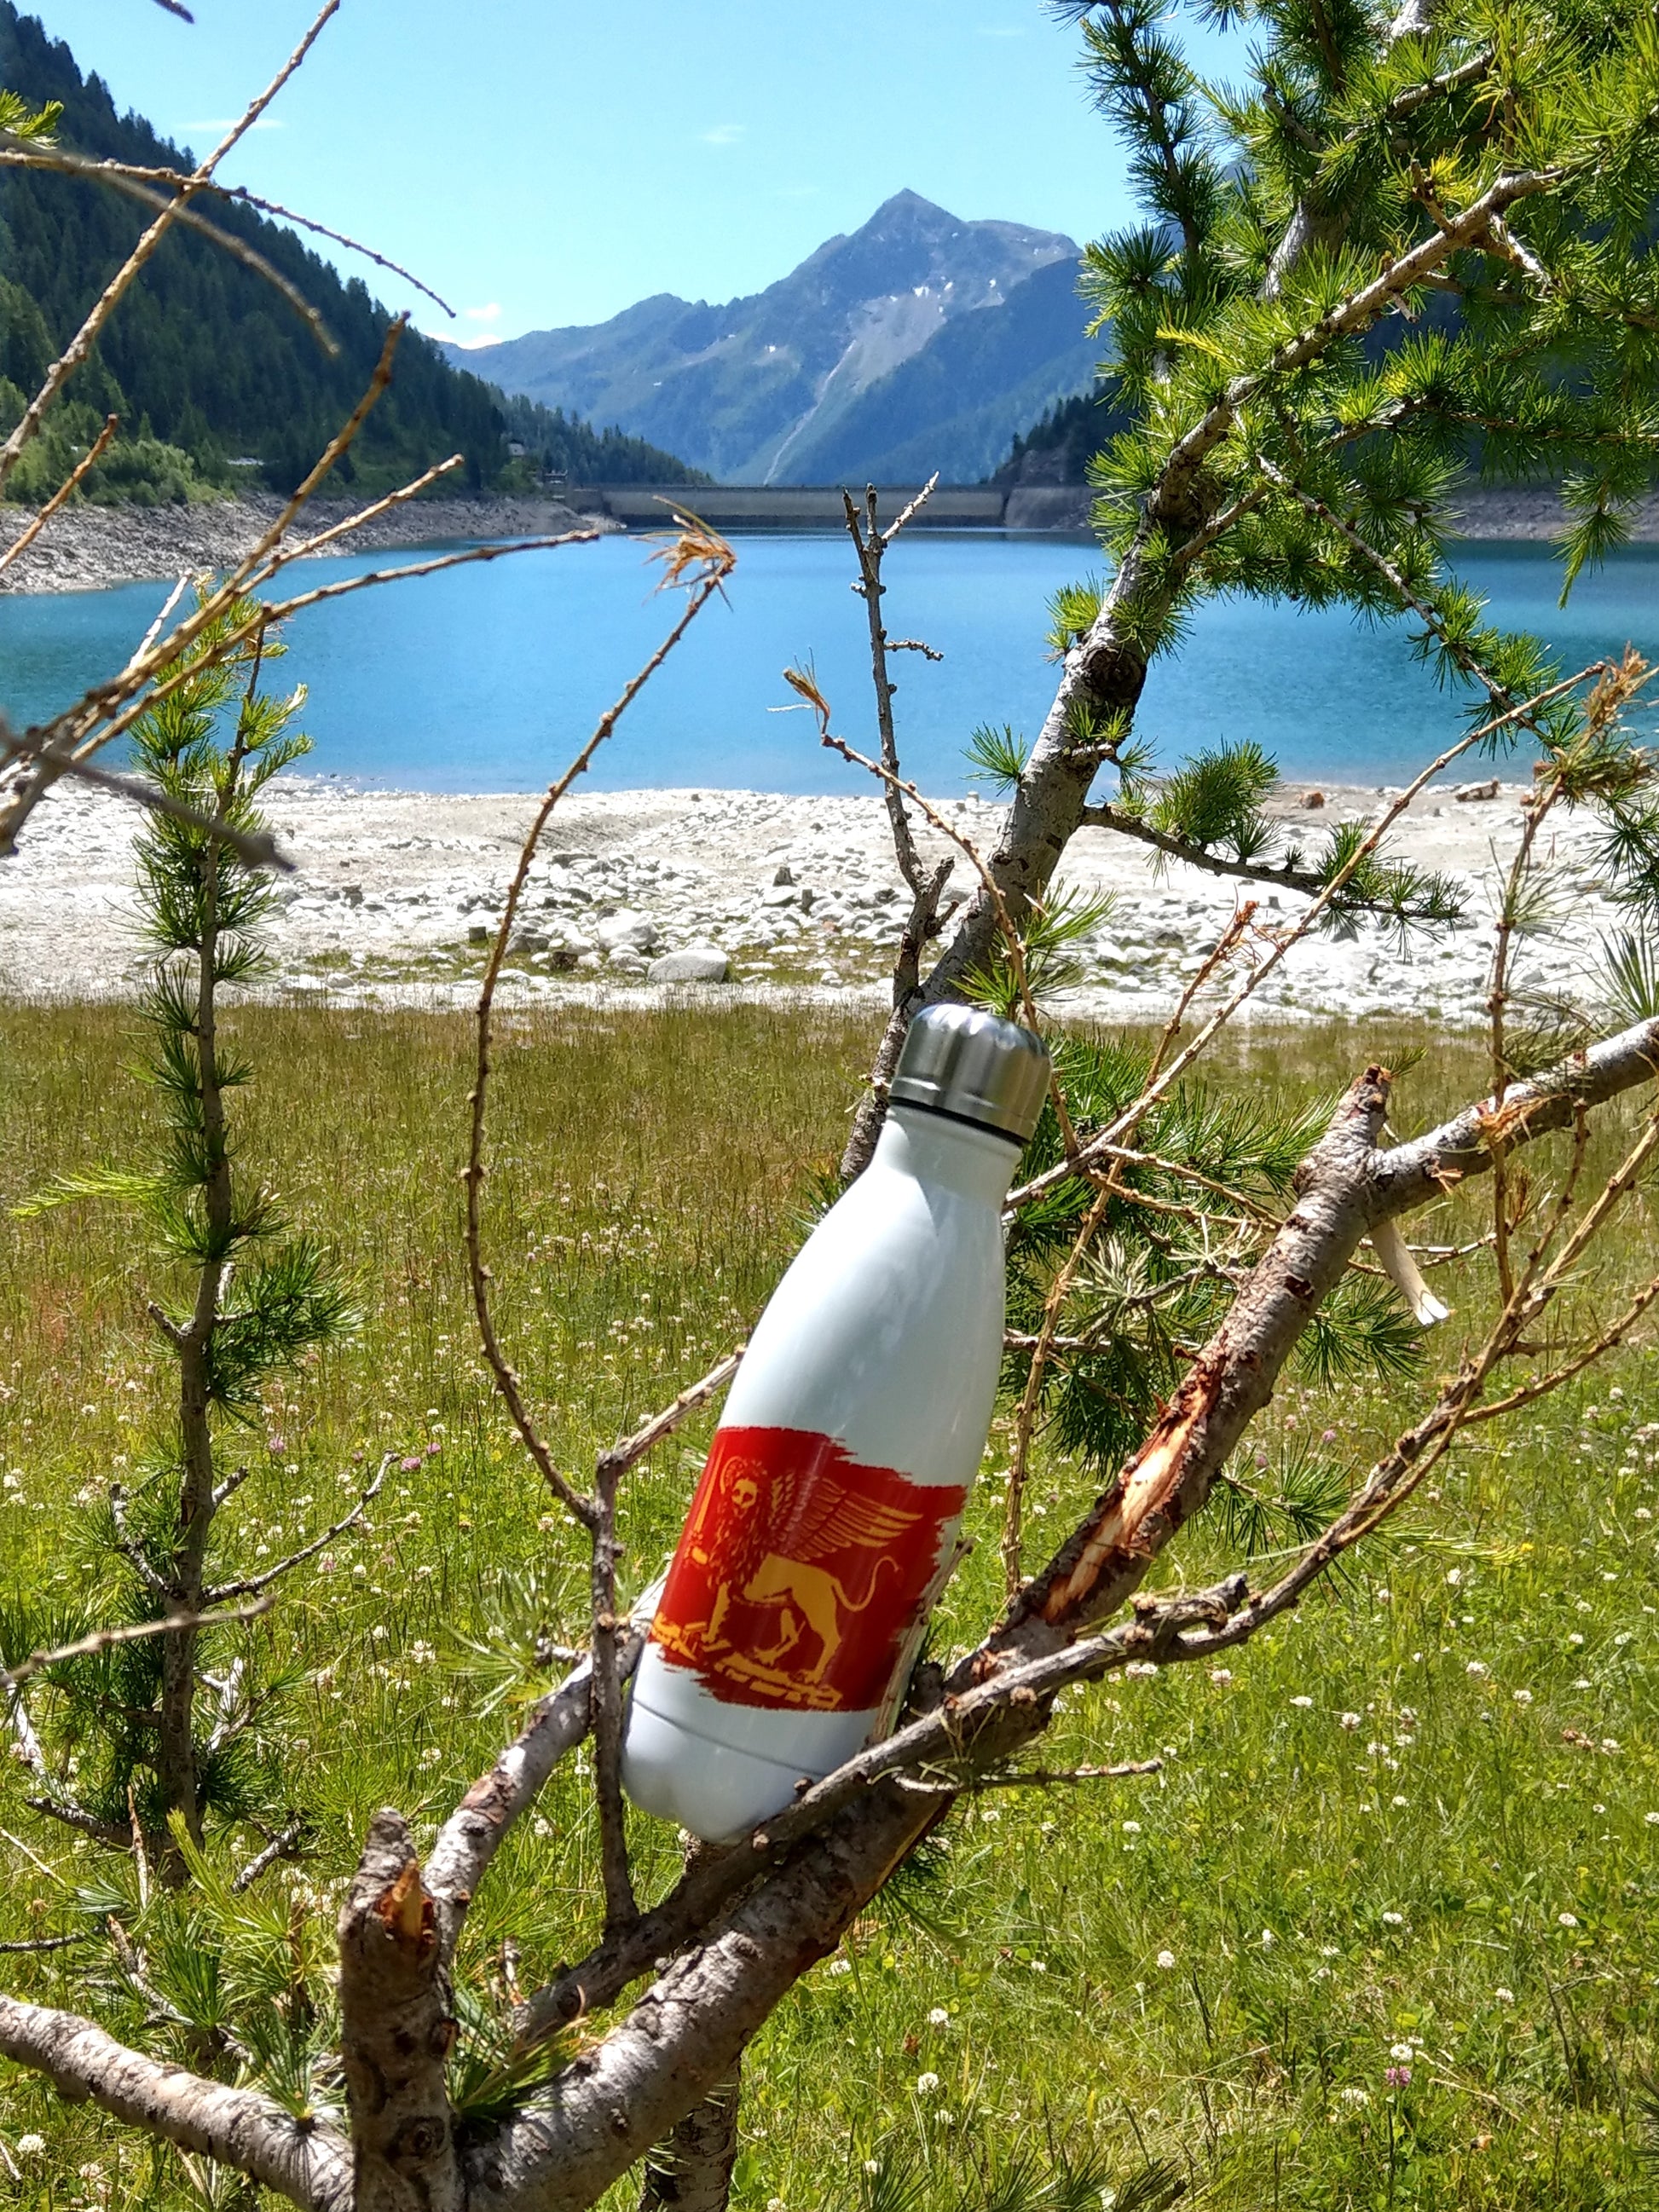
<point x="243" y="1296"/>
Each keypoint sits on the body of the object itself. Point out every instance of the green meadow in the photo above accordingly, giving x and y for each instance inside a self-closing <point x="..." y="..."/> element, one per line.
<point x="1382" y="1932"/>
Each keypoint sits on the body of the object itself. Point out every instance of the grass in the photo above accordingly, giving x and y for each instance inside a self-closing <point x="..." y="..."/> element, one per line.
<point x="1469" y="1869"/>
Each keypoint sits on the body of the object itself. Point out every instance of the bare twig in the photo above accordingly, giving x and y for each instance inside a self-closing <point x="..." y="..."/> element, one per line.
<point x="250" y="1584"/>
<point x="707" y="561"/>
<point x="1028" y="1778"/>
<point x="926" y="886"/>
<point x="805" y="686"/>
<point x="281" y="1846"/>
<point x="258" y="847"/>
<point x="645" y="1438"/>
<point x="106" y="1639"/>
<point x="93" y="721"/>
<point x="1115" y="1133"/>
<point x="609" y="1632"/>
<point x="82" y="344"/>
<point x="120" y="179"/>
<point x="65" y="490"/>
<point x="32" y="155"/>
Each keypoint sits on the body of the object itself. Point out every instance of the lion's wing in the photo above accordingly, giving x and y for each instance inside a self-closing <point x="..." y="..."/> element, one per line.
<point x="836" y="1518"/>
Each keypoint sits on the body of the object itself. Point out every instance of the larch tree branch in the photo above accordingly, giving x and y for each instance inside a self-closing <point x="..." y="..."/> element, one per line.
<point x="311" y="2165"/>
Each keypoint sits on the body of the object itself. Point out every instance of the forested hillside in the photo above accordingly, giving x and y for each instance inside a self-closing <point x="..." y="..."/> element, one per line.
<point x="560" y="444"/>
<point x="1059" y="446"/>
<point x="205" y="364"/>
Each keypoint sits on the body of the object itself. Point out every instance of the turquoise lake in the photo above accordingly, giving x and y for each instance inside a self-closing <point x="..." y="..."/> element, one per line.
<point x="487" y="679"/>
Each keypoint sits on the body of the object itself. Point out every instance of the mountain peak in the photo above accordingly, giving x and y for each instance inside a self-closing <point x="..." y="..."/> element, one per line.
<point x="755" y="391"/>
<point x="906" y="203"/>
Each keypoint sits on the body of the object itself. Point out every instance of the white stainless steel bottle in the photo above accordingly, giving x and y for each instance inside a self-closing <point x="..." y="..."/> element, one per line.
<point x="825" y="1520"/>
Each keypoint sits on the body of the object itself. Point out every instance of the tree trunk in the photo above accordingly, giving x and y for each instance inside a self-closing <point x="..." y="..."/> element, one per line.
<point x="180" y="1780"/>
<point x="691" y="2170"/>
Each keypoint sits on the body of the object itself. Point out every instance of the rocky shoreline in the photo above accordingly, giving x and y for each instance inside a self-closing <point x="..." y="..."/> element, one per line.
<point x="86" y="549"/>
<point x="638" y="895"/>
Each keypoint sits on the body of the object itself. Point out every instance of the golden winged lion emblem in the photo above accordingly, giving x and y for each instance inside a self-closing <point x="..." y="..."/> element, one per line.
<point x="799" y="1571"/>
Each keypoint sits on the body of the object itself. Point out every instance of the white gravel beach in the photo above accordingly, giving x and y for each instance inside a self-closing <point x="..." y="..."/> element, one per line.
<point x="394" y="894"/>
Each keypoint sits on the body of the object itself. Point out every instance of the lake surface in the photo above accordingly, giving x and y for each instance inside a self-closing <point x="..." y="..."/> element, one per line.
<point x="488" y="678"/>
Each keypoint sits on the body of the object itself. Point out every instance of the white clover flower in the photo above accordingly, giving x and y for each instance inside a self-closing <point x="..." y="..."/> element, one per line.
<point x="1477" y="1667"/>
<point x="1521" y="1697"/>
<point x="1166" y="1959"/>
<point x="1132" y="1827"/>
<point x="873" y="2166"/>
<point x="1394" y="1919"/>
<point x="1400" y="1803"/>
<point x="1350" y="1720"/>
<point x="1401" y="2053"/>
<point x="1355" y="2096"/>
<point x="927" y="2084"/>
<point x="1140" y="1668"/>
<point x="1221" y="1674"/>
<point x="1566" y="1919"/>
<point x="1454" y="1576"/>
<point x="1652" y="1820"/>
<point x="939" y="2017"/>
<point x="1303" y="1703"/>
<point x="1575" y="1637"/>
<point x="1503" y="1995"/>
<point x="1268" y="1939"/>
<point x="31" y="2146"/>
<point x="841" y="1966"/>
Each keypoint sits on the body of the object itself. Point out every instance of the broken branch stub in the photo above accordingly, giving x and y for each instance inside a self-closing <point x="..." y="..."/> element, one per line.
<point x="396" y="2027"/>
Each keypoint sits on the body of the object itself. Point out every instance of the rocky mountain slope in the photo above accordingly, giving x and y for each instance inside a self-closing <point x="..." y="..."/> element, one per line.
<point x="920" y="342"/>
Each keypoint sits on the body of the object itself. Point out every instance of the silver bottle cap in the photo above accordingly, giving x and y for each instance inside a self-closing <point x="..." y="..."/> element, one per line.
<point x="962" y="1062"/>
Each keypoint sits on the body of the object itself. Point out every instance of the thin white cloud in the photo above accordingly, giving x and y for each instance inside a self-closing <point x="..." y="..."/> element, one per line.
<point x="466" y="345"/>
<point x="492" y="314"/>
<point x="723" y="134"/>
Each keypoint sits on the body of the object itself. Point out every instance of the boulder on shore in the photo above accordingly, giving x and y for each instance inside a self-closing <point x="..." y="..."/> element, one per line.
<point x="697" y="964"/>
<point x="627" y="930"/>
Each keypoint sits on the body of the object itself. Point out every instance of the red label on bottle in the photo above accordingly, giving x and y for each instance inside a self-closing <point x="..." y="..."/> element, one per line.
<point x="801" y="1572"/>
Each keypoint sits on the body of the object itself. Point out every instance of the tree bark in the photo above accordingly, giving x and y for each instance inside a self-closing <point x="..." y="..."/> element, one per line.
<point x="310" y="2165"/>
<point x="472" y="1834"/>
<point x="692" y="2172"/>
<point x="395" y="2029"/>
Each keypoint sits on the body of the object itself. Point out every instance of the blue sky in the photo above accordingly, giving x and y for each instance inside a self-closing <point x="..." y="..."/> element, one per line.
<point x="543" y="163"/>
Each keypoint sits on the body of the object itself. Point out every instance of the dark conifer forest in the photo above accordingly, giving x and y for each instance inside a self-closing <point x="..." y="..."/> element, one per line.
<point x="216" y="380"/>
